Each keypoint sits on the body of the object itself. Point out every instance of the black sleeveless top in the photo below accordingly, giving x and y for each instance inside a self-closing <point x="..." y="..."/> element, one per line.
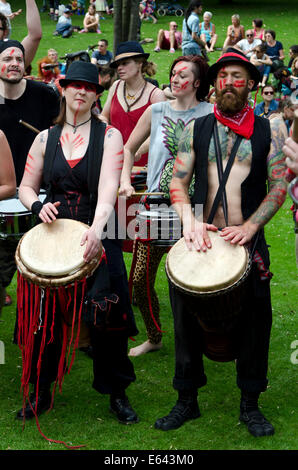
<point x="70" y="187"/>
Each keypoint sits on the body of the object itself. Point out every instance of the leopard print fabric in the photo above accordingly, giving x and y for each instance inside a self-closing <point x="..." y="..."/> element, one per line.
<point x="140" y="287"/>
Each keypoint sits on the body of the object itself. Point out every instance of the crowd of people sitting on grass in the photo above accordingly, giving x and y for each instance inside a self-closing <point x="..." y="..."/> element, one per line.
<point x="258" y="43"/>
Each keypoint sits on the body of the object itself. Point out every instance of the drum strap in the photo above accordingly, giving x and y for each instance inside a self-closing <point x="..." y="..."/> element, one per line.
<point x="220" y="171"/>
<point x="224" y="179"/>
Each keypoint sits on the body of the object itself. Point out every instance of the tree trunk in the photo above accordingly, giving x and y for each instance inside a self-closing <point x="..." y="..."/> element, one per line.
<point x="126" y="21"/>
<point x="117" y="5"/>
<point x="134" y="21"/>
<point x="126" y="10"/>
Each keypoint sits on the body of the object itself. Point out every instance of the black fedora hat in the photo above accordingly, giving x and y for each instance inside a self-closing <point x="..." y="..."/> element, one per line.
<point x="128" y="50"/>
<point x="232" y="55"/>
<point x="80" y="71"/>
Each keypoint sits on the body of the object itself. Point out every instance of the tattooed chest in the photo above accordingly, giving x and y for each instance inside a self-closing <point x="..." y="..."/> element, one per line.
<point x="227" y="140"/>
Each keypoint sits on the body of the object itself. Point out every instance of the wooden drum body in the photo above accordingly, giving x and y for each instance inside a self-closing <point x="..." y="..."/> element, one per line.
<point x="214" y="284"/>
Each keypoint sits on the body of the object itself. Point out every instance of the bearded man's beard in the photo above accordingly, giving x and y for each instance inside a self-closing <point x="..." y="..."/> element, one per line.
<point x="231" y="104"/>
<point x="12" y="81"/>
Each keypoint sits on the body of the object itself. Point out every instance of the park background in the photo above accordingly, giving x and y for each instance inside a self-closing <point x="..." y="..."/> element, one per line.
<point x="80" y="415"/>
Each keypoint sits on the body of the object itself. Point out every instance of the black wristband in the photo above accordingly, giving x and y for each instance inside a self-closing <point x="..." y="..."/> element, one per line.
<point x="36" y="207"/>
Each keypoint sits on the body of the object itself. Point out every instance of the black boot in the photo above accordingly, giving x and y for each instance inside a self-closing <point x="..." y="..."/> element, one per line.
<point x="186" y="408"/>
<point x="120" y="406"/>
<point x="250" y="414"/>
<point x="44" y="402"/>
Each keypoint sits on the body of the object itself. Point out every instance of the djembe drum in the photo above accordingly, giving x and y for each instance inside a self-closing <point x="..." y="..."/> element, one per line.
<point x="157" y="222"/>
<point x="214" y="287"/>
<point x="51" y="270"/>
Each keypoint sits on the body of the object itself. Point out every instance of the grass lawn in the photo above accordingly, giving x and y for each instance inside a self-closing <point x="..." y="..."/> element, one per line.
<point x="81" y="415"/>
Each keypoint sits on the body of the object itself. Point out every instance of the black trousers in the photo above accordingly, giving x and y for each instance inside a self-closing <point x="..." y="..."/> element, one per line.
<point x="113" y="370"/>
<point x="251" y="333"/>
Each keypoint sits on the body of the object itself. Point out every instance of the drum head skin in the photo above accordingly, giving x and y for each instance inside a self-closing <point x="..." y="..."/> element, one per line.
<point x="54" y="249"/>
<point x="197" y="271"/>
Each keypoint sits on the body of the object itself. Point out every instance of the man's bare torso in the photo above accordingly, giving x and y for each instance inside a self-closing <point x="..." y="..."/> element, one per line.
<point x="239" y="172"/>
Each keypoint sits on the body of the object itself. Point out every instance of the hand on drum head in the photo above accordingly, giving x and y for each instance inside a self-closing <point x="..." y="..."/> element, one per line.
<point x="93" y="244"/>
<point x="126" y="190"/>
<point x="48" y="212"/>
<point x="239" y="234"/>
<point x="197" y="238"/>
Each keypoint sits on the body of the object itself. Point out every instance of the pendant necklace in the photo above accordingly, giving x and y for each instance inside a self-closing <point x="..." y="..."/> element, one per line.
<point x="131" y="97"/>
<point x="77" y="125"/>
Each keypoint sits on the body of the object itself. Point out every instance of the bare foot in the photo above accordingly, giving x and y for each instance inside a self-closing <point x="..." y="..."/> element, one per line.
<point x="144" y="348"/>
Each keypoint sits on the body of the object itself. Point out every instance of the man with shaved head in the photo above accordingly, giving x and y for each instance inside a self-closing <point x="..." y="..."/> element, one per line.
<point x="169" y="40"/>
<point x="247" y="45"/>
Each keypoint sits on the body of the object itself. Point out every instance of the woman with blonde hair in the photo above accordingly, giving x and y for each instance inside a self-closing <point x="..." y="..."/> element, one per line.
<point x="235" y="32"/>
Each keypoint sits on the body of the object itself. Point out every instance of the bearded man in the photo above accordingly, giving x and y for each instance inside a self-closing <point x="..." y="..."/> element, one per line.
<point x="244" y="209"/>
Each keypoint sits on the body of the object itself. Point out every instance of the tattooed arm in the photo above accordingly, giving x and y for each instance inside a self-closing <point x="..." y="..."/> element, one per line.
<point x="110" y="172"/>
<point x="194" y="231"/>
<point x="276" y="196"/>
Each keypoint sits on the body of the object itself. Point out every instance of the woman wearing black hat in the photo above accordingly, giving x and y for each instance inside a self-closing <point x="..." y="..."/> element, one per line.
<point x="62" y="156"/>
<point x="131" y="95"/>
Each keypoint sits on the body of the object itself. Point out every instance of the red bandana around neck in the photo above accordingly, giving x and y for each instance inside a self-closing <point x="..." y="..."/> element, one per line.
<point x="241" y="123"/>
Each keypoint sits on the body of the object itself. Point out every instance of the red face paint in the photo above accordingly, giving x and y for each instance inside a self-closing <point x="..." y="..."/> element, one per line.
<point x="184" y="85"/>
<point x="88" y="87"/>
<point x="177" y="73"/>
<point x="239" y="83"/>
<point x="11" y="52"/>
<point x="3" y="68"/>
<point x="222" y="83"/>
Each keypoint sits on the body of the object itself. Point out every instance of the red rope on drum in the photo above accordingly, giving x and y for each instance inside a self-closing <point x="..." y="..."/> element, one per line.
<point x="84" y="287"/>
<point x="29" y="319"/>
<point x="43" y="341"/>
<point x="48" y="438"/>
<point x="53" y="319"/>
